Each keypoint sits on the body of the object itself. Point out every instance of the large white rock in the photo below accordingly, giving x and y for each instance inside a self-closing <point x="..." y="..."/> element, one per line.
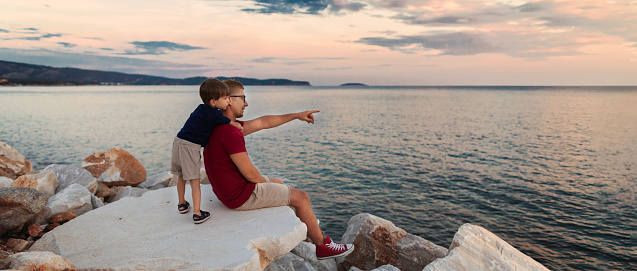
<point x="147" y="233"/>
<point x="379" y="242"/>
<point x="75" y="198"/>
<point x="5" y="182"/>
<point x="12" y="162"/>
<point x="68" y="175"/>
<point x="477" y="249"/>
<point x="45" y="182"/>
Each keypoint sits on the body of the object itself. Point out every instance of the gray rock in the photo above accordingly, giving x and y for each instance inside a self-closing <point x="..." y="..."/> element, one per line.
<point x="147" y="233"/>
<point x="40" y="218"/>
<point x="386" y="267"/>
<point x="96" y="202"/>
<point x="75" y="198"/>
<point x="307" y="251"/>
<point x="157" y="181"/>
<point x="289" y="262"/>
<point x="19" y="205"/>
<point x="475" y="248"/>
<point x="127" y="191"/>
<point x="68" y="175"/>
<point x="379" y="242"/>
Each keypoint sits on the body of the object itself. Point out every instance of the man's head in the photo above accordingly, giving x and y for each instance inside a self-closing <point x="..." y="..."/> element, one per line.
<point x="214" y="93"/>
<point x="238" y="97"/>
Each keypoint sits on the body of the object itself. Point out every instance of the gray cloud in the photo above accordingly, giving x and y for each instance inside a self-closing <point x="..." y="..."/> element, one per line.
<point x="45" y="36"/>
<point x="531" y="7"/>
<point x="304" y="6"/>
<point x="450" y="43"/>
<point x="67" y="45"/>
<point x="452" y="19"/>
<point x="158" y="47"/>
<point x="291" y="61"/>
<point x="30" y="29"/>
<point x="3" y="31"/>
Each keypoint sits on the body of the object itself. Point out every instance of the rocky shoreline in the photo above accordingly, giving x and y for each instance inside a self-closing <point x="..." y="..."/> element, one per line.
<point x="34" y="204"/>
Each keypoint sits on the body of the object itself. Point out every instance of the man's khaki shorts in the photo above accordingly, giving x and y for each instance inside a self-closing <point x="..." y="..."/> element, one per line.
<point x="267" y="195"/>
<point x="186" y="159"/>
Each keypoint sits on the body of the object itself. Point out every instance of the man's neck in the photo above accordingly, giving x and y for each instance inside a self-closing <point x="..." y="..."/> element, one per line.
<point x="228" y="113"/>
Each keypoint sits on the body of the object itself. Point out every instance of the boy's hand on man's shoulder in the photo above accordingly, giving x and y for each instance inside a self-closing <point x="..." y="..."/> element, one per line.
<point x="237" y="125"/>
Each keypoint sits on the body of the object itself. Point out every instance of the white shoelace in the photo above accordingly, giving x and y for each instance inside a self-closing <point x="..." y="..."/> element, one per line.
<point x="336" y="246"/>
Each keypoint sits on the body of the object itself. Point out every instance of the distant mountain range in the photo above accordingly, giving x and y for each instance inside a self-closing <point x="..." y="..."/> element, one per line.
<point x="13" y="73"/>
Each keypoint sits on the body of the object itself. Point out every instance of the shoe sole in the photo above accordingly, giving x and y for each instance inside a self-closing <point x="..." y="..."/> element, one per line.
<point x="185" y="211"/>
<point x="338" y="255"/>
<point x="202" y="220"/>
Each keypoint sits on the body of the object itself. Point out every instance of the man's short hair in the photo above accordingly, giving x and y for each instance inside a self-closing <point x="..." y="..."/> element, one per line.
<point x="233" y="84"/>
<point x="212" y="89"/>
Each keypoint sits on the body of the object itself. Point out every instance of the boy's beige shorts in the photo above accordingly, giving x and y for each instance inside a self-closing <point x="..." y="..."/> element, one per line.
<point x="186" y="159"/>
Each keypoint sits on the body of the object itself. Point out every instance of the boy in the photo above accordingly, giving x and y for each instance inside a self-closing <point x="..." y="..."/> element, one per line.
<point x="186" y="155"/>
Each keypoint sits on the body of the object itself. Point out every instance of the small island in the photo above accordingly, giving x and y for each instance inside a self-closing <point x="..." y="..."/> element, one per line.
<point x="353" y="85"/>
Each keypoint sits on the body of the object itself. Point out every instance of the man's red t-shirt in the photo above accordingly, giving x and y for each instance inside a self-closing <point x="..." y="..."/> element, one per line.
<point x="227" y="182"/>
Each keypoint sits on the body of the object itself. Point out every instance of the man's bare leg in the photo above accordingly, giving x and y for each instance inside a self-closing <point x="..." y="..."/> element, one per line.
<point x="301" y="203"/>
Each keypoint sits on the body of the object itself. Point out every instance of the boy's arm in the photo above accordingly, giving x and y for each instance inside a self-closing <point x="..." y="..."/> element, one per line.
<point x="219" y="118"/>
<point x="247" y="169"/>
<point x="271" y="121"/>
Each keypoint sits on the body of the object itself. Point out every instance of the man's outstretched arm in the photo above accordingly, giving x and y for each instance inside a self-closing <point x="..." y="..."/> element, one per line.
<point x="270" y="121"/>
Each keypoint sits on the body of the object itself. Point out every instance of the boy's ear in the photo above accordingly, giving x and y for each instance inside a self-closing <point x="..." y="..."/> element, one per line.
<point x="212" y="102"/>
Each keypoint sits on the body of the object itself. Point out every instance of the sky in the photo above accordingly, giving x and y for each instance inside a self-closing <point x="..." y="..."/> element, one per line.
<point x="331" y="42"/>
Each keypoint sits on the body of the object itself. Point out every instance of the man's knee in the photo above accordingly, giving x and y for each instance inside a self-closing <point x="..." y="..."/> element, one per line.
<point x="298" y="197"/>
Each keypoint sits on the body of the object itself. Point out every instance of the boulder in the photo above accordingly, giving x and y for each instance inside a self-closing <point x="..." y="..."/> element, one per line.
<point x="75" y="198"/>
<point x="307" y="251"/>
<point x="18" y="205"/>
<point x="68" y="175"/>
<point x="45" y="182"/>
<point x="39" y="261"/>
<point x="290" y="262"/>
<point x="5" y="182"/>
<point x="61" y="218"/>
<point x="115" y="167"/>
<point x="126" y="191"/>
<point x="147" y="233"/>
<point x="96" y="202"/>
<point x="157" y="181"/>
<point x="12" y="163"/>
<point x="475" y="248"/>
<point x="379" y="242"/>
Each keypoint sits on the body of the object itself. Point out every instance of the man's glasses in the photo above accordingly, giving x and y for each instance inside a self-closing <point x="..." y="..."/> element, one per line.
<point x="242" y="96"/>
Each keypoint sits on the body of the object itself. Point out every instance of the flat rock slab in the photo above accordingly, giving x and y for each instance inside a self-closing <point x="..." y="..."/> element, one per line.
<point x="148" y="233"/>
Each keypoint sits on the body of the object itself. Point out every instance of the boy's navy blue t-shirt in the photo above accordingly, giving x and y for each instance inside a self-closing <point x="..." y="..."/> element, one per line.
<point x="200" y="124"/>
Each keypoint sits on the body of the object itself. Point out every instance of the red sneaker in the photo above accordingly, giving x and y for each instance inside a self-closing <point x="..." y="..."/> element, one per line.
<point x="332" y="250"/>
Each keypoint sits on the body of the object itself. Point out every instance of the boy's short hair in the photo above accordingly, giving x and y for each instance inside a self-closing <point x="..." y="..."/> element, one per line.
<point x="212" y="89"/>
<point x="233" y="84"/>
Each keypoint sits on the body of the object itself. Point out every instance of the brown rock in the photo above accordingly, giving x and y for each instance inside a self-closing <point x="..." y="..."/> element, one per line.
<point x="18" y="244"/>
<point x="51" y="226"/>
<point x="40" y="261"/>
<point x="12" y="163"/>
<point x="115" y="167"/>
<point x="35" y="230"/>
<point x="104" y="191"/>
<point x="379" y="242"/>
<point x="61" y="218"/>
<point x="19" y="205"/>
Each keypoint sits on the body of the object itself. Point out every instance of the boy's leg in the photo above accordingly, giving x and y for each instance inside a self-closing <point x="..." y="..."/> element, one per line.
<point x="196" y="195"/>
<point x="181" y="189"/>
<point x="301" y="203"/>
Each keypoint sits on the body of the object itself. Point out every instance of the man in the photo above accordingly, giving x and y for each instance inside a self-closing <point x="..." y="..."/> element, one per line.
<point x="239" y="185"/>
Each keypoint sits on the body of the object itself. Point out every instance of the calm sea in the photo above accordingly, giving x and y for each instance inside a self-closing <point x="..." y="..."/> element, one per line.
<point x="551" y="170"/>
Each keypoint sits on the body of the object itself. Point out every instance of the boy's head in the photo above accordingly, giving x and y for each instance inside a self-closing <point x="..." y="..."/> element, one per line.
<point x="233" y="85"/>
<point x="214" y="93"/>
